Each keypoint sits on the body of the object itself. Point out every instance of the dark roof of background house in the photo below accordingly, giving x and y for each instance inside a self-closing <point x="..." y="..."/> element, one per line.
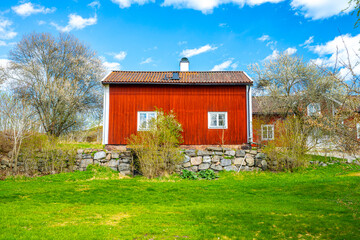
<point x="208" y="77"/>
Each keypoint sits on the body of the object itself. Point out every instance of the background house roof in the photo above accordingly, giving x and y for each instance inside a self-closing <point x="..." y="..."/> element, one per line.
<point x="208" y="77"/>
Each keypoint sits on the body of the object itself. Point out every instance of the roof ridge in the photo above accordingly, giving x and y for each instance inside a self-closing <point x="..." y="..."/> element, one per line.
<point x="136" y="71"/>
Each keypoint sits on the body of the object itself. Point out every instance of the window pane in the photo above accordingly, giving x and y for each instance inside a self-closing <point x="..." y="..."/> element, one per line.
<point x="213" y="121"/>
<point x="142" y="120"/>
<point x="221" y="120"/>
<point x="270" y="132"/>
<point x="264" y="132"/>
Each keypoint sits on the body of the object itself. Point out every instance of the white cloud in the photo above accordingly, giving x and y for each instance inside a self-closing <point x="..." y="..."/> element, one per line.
<point x="6" y="31"/>
<point x="320" y="9"/>
<point x="146" y="61"/>
<point x="276" y="53"/>
<point x="95" y="4"/>
<point x="341" y="50"/>
<point x="76" y="22"/>
<point x="120" y="56"/>
<point x="182" y="43"/>
<point x="41" y="22"/>
<point x="290" y="51"/>
<point x="27" y="9"/>
<point x="223" y="25"/>
<point x="207" y="6"/>
<point x="197" y="51"/>
<point x="309" y="41"/>
<point x="264" y="38"/>
<point x="272" y="56"/>
<point x="223" y="66"/>
<point x="128" y="3"/>
<point x="234" y="66"/>
<point x="4" y="62"/>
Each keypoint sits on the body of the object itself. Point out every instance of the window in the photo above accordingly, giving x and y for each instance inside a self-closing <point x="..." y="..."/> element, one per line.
<point x="313" y="109"/>
<point x="358" y="130"/>
<point x="217" y="120"/>
<point x="267" y="132"/>
<point x="144" y="120"/>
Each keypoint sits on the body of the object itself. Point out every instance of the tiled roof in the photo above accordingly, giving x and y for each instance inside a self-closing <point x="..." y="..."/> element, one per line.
<point x="209" y="77"/>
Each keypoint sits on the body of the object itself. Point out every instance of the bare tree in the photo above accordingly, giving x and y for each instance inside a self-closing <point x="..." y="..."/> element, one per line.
<point x="292" y="85"/>
<point x="17" y="120"/>
<point x="58" y="76"/>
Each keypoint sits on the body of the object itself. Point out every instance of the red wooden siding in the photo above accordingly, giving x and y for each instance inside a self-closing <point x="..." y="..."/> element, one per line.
<point x="191" y="105"/>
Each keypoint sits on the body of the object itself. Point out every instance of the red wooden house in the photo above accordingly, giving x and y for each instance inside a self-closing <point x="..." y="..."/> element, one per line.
<point x="213" y="107"/>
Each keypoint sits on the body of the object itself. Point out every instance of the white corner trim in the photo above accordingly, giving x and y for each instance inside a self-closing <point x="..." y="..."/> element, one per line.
<point x="248" y="76"/>
<point x="250" y="115"/>
<point x="106" y="109"/>
<point x="106" y="76"/>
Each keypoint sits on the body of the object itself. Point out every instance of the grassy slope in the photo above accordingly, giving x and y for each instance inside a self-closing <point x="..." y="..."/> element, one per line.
<point x="314" y="203"/>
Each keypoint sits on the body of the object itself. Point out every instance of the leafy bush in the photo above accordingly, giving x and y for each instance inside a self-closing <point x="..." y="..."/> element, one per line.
<point x="203" y="174"/>
<point x="186" y="174"/>
<point x="157" y="149"/>
<point x="288" y="150"/>
<point x="6" y="145"/>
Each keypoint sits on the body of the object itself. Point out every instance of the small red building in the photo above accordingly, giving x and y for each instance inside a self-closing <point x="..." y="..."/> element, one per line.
<point x="213" y="107"/>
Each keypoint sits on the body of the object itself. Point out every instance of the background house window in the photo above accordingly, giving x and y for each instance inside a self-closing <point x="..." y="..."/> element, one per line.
<point x="313" y="109"/>
<point x="217" y="120"/>
<point x="267" y="132"/>
<point x="358" y="130"/>
<point x="144" y="119"/>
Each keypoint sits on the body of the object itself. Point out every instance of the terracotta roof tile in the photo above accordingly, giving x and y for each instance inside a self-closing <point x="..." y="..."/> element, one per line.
<point x="209" y="77"/>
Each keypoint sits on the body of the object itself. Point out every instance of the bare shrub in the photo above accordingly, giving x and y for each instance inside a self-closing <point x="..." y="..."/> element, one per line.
<point x="157" y="149"/>
<point x="287" y="151"/>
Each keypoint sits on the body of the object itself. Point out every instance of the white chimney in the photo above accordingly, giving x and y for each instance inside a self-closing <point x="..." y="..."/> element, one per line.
<point x="184" y="65"/>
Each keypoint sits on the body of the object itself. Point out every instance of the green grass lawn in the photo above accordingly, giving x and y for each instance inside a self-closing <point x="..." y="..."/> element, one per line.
<point x="316" y="203"/>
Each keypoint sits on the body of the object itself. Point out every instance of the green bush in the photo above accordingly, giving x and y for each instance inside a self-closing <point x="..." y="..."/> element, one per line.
<point x="203" y="174"/>
<point x="157" y="150"/>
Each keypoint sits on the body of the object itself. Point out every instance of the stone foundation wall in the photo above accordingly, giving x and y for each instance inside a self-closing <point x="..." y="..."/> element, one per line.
<point x="120" y="161"/>
<point x="215" y="158"/>
<point x="218" y="159"/>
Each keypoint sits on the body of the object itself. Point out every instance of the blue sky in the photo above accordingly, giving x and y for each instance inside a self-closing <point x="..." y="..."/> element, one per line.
<point x="153" y="35"/>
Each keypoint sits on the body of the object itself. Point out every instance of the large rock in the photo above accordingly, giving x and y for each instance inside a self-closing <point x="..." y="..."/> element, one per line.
<point x="216" y="167"/>
<point x="196" y="160"/>
<point x="230" y="153"/>
<point x="260" y="156"/>
<point x="215" y="149"/>
<point x="239" y="161"/>
<point x="206" y="159"/>
<point x="204" y="166"/>
<point x="240" y="153"/>
<point x="126" y="160"/>
<point x="250" y="160"/>
<point x="194" y="168"/>
<point x="86" y="156"/>
<point x="186" y="158"/>
<point x="85" y="162"/>
<point x="113" y="163"/>
<point x="263" y="165"/>
<point x="100" y="155"/>
<point x="204" y="153"/>
<point x="225" y="162"/>
<point x="187" y="164"/>
<point x="216" y="159"/>
<point x="115" y="155"/>
<point x="230" y="168"/>
<point x="190" y="152"/>
<point x="124" y="167"/>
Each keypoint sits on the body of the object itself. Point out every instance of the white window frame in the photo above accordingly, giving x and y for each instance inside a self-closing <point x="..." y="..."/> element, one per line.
<point x="147" y="120"/>
<point x="217" y="127"/>
<point x="267" y="126"/>
<point x="358" y="130"/>
<point x="315" y="106"/>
